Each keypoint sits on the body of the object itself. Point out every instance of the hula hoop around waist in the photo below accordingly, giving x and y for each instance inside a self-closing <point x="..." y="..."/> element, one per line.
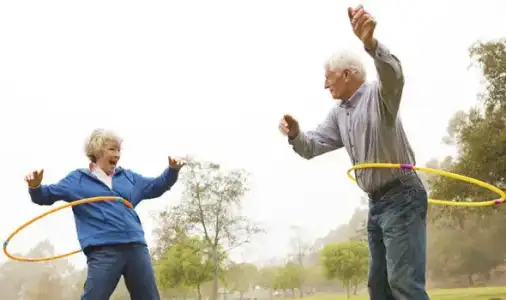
<point x="467" y="179"/>
<point x="71" y="204"/>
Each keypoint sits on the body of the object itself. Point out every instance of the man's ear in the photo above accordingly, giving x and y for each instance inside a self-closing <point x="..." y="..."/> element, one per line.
<point x="346" y="75"/>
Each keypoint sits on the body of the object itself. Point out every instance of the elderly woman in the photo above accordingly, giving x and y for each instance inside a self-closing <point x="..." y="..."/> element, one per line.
<point x="110" y="233"/>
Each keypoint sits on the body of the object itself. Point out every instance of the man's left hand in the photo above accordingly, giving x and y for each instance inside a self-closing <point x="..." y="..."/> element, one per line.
<point x="363" y="25"/>
<point x="175" y="163"/>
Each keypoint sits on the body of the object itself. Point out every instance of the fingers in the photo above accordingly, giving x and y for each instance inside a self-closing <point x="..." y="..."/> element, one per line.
<point x="29" y="177"/>
<point x="283" y="128"/>
<point x="175" y="163"/>
<point x="288" y="118"/>
<point x="359" y="17"/>
<point x="288" y="125"/>
<point x="285" y="124"/>
<point x="34" y="178"/>
<point x="35" y="175"/>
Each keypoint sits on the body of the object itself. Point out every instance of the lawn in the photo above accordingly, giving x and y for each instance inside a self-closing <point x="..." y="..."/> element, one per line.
<point x="450" y="294"/>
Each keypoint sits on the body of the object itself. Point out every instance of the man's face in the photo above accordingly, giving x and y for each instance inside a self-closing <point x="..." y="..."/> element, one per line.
<point x="336" y="83"/>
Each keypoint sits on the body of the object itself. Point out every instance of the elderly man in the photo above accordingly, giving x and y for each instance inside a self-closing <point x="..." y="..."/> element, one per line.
<point x="367" y="124"/>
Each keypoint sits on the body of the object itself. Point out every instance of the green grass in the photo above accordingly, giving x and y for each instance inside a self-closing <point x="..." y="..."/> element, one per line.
<point x="450" y="294"/>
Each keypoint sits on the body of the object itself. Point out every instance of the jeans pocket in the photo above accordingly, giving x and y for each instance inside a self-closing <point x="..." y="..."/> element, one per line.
<point x="406" y="206"/>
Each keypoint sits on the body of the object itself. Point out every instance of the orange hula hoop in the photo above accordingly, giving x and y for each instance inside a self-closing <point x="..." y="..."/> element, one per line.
<point x="71" y="204"/>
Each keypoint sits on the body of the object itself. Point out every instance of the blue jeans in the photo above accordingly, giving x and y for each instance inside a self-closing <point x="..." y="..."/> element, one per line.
<point x="397" y="235"/>
<point x="106" y="264"/>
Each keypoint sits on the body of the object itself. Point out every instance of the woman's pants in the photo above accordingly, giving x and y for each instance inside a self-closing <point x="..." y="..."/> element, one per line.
<point x="107" y="263"/>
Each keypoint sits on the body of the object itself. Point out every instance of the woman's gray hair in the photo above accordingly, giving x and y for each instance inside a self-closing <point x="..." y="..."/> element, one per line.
<point x="96" y="142"/>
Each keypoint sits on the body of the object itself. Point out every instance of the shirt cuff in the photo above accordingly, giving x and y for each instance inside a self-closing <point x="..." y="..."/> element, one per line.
<point x="296" y="140"/>
<point x="380" y="52"/>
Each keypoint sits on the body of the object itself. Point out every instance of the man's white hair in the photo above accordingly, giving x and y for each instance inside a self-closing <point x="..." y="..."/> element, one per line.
<point x="98" y="139"/>
<point x="346" y="60"/>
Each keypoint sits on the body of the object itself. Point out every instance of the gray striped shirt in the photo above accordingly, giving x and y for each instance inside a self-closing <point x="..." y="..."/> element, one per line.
<point x="367" y="125"/>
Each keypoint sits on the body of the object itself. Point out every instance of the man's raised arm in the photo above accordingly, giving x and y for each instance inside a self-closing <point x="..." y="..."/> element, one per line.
<point x="391" y="77"/>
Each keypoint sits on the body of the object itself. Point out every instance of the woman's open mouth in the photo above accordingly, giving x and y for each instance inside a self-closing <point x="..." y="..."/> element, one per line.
<point x="113" y="163"/>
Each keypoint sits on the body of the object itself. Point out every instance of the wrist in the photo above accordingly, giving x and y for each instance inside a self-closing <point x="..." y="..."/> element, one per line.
<point x="370" y="44"/>
<point x="293" y="136"/>
<point x="33" y="187"/>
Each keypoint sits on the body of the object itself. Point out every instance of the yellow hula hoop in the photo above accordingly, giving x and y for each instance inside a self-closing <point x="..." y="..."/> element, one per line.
<point x="71" y="204"/>
<point x="441" y="173"/>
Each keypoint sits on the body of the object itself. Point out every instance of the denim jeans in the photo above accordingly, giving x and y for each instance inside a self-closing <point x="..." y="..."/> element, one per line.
<point x="397" y="235"/>
<point x="106" y="264"/>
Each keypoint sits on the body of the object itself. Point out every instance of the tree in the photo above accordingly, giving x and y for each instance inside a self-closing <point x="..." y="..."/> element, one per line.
<point x="267" y="278"/>
<point x="44" y="280"/>
<point x="346" y="262"/>
<point x="479" y="136"/>
<point x="211" y="206"/>
<point x="301" y="249"/>
<point x="241" y="278"/>
<point x="315" y="278"/>
<point x="288" y="278"/>
<point x="187" y="263"/>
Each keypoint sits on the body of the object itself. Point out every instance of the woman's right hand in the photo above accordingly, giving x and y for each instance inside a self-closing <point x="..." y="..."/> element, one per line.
<point x="34" y="179"/>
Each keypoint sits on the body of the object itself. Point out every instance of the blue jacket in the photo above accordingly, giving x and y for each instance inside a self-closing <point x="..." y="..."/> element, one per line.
<point x="106" y="222"/>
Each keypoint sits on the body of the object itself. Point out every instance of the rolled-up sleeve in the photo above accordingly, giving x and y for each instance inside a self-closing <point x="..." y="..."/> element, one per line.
<point x="325" y="138"/>
<point x="391" y="77"/>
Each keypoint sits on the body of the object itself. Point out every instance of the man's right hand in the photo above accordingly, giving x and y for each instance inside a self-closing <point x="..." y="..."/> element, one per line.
<point x="289" y="126"/>
<point x="34" y="179"/>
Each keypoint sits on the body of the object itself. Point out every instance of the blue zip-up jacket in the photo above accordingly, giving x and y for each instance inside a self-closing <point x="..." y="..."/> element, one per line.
<point x="106" y="222"/>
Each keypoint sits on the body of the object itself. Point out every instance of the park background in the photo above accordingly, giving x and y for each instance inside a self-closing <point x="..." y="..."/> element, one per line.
<point x="211" y="80"/>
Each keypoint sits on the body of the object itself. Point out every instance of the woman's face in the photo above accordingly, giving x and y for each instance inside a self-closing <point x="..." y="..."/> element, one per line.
<point x="109" y="157"/>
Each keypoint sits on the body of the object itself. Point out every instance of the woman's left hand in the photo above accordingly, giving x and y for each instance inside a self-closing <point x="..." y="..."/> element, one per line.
<point x="175" y="163"/>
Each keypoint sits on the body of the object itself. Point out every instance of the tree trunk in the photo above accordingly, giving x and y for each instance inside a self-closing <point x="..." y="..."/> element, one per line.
<point x="355" y="288"/>
<point x="214" y="294"/>
<point x="199" y="292"/>
<point x="470" y="279"/>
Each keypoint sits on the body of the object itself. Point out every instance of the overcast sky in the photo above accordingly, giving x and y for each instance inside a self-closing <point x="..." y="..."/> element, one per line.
<point x="212" y="79"/>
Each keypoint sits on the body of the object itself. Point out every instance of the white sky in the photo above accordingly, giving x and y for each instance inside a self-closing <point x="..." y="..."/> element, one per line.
<point x="213" y="81"/>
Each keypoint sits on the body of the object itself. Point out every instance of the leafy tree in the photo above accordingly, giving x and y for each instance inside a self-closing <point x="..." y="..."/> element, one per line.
<point x="315" y="278"/>
<point x="480" y="139"/>
<point x="267" y="278"/>
<point x="346" y="262"/>
<point x="210" y="206"/>
<point x="241" y="277"/>
<point x="187" y="263"/>
<point x="479" y="135"/>
<point x="289" y="278"/>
